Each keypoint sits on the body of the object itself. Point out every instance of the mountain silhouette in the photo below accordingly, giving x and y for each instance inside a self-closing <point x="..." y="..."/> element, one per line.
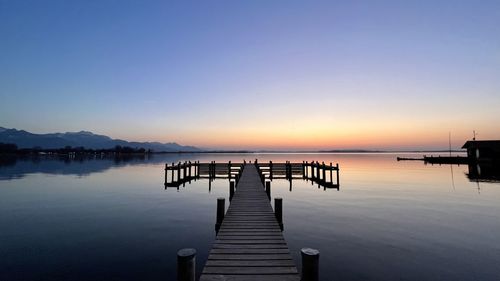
<point x="24" y="139"/>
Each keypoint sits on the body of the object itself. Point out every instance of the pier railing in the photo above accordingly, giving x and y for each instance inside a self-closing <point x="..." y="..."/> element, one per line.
<point x="326" y="175"/>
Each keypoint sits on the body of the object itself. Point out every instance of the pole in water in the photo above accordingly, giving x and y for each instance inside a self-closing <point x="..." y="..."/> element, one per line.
<point x="220" y="212"/>
<point x="268" y="190"/>
<point x="231" y="190"/>
<point x="278" y="211"/>
<point x="166" y="171"/>
<point x="338" y="179"/>
<point x="186" y="264"/>
<point x="310" y="264"/>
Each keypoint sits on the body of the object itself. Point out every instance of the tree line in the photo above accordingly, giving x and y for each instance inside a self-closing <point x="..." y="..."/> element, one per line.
<point x="11" y="148"/>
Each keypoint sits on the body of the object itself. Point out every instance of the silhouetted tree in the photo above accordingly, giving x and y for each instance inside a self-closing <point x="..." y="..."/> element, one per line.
<point x="8" y="147"/>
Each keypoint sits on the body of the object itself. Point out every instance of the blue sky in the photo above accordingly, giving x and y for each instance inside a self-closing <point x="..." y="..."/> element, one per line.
<point x="254" y="74"/>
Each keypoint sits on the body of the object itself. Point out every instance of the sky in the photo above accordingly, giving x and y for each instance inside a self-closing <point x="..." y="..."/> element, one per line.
<point x="254" y="74"/>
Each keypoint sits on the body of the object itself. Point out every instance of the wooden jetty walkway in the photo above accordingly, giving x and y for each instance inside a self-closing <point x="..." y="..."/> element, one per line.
<point x="319" y="173"/>
<point x="249" y="244"/>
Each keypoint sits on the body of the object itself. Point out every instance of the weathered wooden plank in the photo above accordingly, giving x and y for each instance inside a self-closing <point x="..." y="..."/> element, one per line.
<point x="249" y="270"/>
<point x="228" y="277"/>
<point x="247" y="237"/>
<point x="222" y="231"/>
<point x="251" y="263"/>
<point x="249" y="257"/>
<point x="248" y="241"/>
<point x="217" y="250"/>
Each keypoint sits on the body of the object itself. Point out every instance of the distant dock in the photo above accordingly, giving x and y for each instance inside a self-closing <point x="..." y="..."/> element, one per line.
<point x="439" y="159"/>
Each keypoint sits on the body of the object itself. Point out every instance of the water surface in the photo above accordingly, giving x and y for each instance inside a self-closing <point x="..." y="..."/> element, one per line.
<point x="113" y="219"/>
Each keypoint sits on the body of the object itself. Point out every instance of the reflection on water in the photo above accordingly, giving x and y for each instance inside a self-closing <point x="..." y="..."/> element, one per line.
<point x="113" y="219"/>
<point x="12" y="167"/>
<point x="482" y="172"/>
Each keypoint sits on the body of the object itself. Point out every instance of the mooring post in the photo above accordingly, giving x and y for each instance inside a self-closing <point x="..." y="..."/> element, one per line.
<point x="324" y="172"/>
<point x="310" y="264"/>
<point x="270" y="170"/>
<point x="179" y="172"/>
<point x="220" y="212"/>
<point x="172" y="173"/>
<point x="268" y="189"/>
<point x="337" y="166"/>
<point x="186" y="264"/>
<point x="231" y="190"/>
<point x="166" y="170"/>
<point x="331" y="173"/>
<point x="278" y="211"/>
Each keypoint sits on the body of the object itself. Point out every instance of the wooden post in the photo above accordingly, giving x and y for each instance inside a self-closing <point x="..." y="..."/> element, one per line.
<point x="179" y="172"/>
<point x="324" y="172"/>
<point x="331" y="172"/>
<point x="172" y="169"/>
<point x="220" y="212"/>
<point x="166" y="171"/>
<point x="231" y="190"/>
<point x="268" y="189"/>
<point x="278" y="211"/>
<point x="337" y="166"/>
<point x="186" y="264"/>
<point x="310" y="264"/>
<point x="229" y="170"/>
<point x="189" y="174"/>
<point x="184" y="175"/>
<point x="271" y="170"/>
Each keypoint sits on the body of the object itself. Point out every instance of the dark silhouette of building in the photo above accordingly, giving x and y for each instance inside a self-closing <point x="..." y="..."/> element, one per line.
<point x="484" y="150"/>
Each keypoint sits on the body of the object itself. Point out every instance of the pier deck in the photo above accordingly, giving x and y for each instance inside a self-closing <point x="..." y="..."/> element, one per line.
<point x="249" y="244"/>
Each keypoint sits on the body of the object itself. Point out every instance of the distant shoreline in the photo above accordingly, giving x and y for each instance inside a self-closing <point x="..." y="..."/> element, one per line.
<point x="25" y="152"/>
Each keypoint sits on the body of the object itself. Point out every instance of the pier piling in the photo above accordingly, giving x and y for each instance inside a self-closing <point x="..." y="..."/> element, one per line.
<point x="268" y="189"/>
<point x="221" y="208"/>
<point x="186" y="264"/>
<point x="310" y="264"/>
<point x="278" y="211"/>
<point x="231" y="190"/>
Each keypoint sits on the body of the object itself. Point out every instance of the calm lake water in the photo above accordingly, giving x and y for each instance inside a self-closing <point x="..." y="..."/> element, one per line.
<point x="114" y="220"/>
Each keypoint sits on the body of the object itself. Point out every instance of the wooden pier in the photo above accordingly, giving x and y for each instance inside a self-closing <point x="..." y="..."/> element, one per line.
<point x="249" y="244"/>
<point x="319" y="173"/>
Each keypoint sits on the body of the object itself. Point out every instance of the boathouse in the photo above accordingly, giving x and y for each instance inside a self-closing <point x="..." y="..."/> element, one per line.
<point x="483" y="150"/>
